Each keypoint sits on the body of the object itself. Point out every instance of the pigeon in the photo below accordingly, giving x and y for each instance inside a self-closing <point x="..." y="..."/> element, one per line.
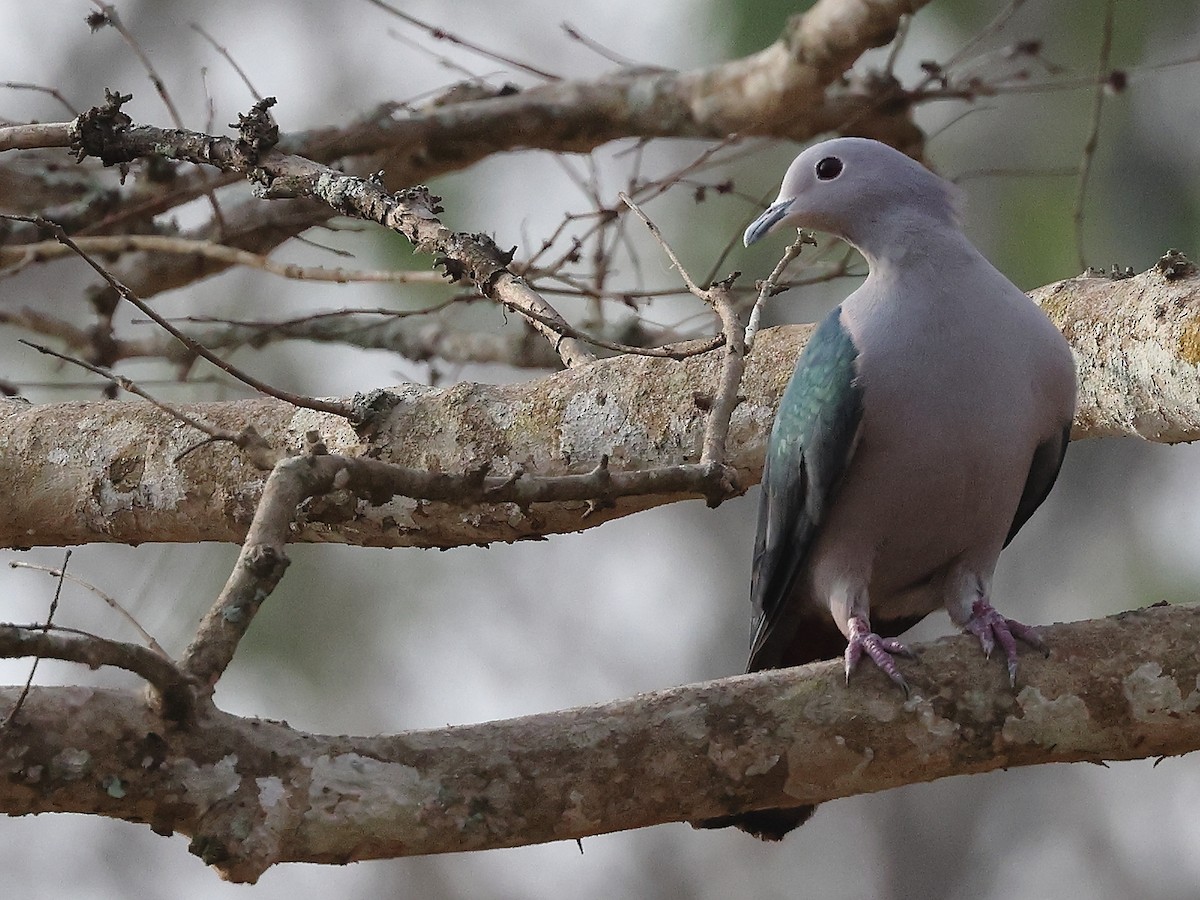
<point x="926" y="420"/>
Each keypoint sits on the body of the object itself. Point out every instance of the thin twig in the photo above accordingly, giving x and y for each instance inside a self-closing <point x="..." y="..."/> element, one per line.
<point x="440" y="58"/>
<point x="114" y="20"/>
<point x="1093" y="138"/>
<point x="179" y="246"/>
<point x="338" y="409"/>
<point x="261" y="454"/>
<point x="228" y="57"/>
<point x="992" y="27"/>
<point x="599" y="49"/>
<point x="666" y="248"/>
<point x="45" y="627"/>
<point x="53" y="92"/>
<point x="725" y="399"/>
<point x="442" y="34"/>
<point x="111" y="601"/>
<point x="770" y="287"/>
<point x="263" y="559"/>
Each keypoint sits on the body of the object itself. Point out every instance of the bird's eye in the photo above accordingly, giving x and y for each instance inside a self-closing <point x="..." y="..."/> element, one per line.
<point x="829" y="168"/>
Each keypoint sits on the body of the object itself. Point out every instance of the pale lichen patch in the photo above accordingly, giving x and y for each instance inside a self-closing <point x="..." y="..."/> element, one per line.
<point x="1157" y="698"/>
<point x="373" y="786"/>
<point x="930" y="733"/>
<point x="221" y="779"/>
<point x="574" y="817"/>
<point x="70" y="764"/>
<point x="337" y="434"/>
<point x="803" y="780"/>
<point x="593" y="423"/>
<point x="270" y="791"/>
<point x="1062" y="722"/>
<point x="400" y="510"/>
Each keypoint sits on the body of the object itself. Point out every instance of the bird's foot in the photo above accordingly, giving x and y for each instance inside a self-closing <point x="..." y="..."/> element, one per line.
<point x="862" y="640"/>
<point x="992" y="628"/>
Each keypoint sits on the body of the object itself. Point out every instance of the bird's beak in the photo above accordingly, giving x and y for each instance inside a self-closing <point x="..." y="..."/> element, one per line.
<point x="764" y="224"/>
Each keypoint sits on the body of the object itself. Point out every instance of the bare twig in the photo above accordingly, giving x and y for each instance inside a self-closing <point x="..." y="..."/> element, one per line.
<point x="114" y="20"/>
<point x="41" y="89"/>
<point x="771" y="286"/>
<point x="228" y="57"/>
<point x="666" y="248"/>
<point x="421" y="340"/>
<point x="336" y="408"/>
<point x="172" y="686"/>
<point x="31" y="137"/>
<point x="22" y="254"/>
<point x="725" y="399"/>
<point x="995" y="25"/>
<point x="261" y="453"/>
<point x="263" y="560"/>
<point x="596" y="47"/>
<point x="1089" y="146"/>
<point x="441" y="34"/>
<point x="413" y="213"/>
<point x="45" y="626"/>
<point x="112" y="602"/>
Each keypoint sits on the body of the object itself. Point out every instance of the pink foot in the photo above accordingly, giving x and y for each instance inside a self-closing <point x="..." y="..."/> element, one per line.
<point x="879" y="650"/>
<point x="992" y="628"/>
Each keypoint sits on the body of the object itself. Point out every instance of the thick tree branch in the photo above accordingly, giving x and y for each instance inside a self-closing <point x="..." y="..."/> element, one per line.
<point x="253" y="793"/>
<point x="81" y="472"/>
<point x="792" y="89"/>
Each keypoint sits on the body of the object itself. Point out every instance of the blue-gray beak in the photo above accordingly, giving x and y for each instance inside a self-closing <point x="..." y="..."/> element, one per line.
<point x="771" y="217"/>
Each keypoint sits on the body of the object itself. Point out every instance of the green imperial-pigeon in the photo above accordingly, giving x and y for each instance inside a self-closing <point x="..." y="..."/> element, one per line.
<point x="926" y="420"/>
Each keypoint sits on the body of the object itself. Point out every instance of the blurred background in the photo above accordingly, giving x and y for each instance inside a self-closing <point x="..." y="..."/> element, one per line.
<point x="371" y="641"/>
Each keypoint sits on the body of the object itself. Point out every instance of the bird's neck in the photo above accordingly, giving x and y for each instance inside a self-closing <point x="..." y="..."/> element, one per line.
<point x="915" y="247"/>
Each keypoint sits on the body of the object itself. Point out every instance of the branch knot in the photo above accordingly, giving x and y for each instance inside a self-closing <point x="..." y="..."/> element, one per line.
<point x="258" y="133"/>
<point x="93" y="132"/>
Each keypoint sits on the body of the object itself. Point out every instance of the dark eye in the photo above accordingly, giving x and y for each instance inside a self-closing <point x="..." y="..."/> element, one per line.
<point x="829" y="168"/>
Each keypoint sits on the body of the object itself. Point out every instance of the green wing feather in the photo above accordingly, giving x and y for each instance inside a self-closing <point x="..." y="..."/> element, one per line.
<point x="811" y="444"/>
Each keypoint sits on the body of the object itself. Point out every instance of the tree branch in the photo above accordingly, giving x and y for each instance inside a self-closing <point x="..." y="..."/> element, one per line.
<point x="252" y="793"/>
<point x="107" y="134"/>
<point x="1137" y="344"/>
<point x="173" y="687"/>
<point x="792" y="89"/>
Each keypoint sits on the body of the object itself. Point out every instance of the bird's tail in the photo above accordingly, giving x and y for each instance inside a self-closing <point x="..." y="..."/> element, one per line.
<point x="764" y="824"/>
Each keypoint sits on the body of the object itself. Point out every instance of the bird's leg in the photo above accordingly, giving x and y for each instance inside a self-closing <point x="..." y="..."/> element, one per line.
<point x="861" y="639"/>
<point x="992" y="628"/>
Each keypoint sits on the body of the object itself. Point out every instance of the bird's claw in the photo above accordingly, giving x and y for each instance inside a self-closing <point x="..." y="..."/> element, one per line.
<point x="992" y="628"/>
<point x="862" y="640"/>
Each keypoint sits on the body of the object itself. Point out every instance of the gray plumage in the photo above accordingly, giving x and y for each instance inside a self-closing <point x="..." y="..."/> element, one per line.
<point x="925" y="422"/>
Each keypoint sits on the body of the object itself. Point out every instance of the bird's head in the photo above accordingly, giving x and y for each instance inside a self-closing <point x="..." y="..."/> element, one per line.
<point x="860" y="190"/>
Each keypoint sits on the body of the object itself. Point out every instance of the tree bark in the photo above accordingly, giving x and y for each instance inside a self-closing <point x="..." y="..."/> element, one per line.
<point x="74" y="473"/>
<point x="252" y="793"/>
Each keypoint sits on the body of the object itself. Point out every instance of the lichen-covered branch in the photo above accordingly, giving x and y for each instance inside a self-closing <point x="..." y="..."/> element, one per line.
<point x="81" y="472"/>
<point x="1137" y="346"/>
<point x="109" y="135"/>
<point x="792" y="89"/>
<point x="252" y="793"/>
